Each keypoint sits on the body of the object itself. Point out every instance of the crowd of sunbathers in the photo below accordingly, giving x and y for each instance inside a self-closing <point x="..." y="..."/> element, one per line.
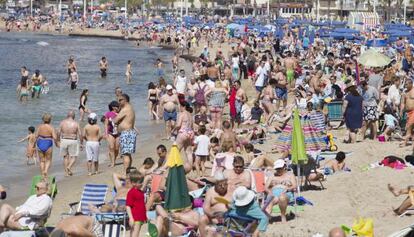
<point x="221" y="152"/>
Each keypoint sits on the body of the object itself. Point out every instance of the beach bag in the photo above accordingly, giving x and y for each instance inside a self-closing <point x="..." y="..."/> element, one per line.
<point x="199" y="96"/>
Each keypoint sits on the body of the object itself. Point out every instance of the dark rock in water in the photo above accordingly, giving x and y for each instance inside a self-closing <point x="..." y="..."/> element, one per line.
<point x="167" y="47"/>
<point x="189" y="57"/>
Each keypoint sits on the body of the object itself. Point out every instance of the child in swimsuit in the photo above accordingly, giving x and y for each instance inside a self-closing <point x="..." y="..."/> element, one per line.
<point x="31" y="145"/>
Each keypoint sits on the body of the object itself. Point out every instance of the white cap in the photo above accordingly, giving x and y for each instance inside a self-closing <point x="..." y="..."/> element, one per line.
<point x="280" y="163"/>
<point x="169" y="87"/>
<point x="93" y="116"/>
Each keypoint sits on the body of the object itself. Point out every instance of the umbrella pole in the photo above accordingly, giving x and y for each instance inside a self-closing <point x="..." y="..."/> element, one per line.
<point x="299" y="178"/>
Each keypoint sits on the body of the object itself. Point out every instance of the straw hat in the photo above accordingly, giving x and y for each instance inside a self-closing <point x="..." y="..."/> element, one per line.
<point x="243" y="196"/>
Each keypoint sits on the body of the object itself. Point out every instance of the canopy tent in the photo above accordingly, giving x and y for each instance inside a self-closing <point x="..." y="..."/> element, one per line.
<point x="369" y="19"/>
<point x="376" y="43"/>
<point x="346" y="30"/>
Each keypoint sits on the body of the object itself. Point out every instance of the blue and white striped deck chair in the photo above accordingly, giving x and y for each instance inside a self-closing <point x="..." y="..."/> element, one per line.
<point x="94" y="194"/>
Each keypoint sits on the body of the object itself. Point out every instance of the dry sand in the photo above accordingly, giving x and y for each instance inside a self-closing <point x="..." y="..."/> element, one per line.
<point x="347" y="195"/>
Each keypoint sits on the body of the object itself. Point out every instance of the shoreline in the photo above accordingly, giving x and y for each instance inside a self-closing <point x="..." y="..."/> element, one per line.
<point x="70" y="188"/>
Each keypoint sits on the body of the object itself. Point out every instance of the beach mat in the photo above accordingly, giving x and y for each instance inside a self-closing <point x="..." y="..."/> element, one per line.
<point x="52" y="185"/>
<point x="332" y="154"/>
<point x="276" y="209"/>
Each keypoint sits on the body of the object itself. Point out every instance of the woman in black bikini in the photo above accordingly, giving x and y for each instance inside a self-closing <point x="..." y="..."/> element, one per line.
<point x="82" y="104"/>
<point x="153" y="101"/>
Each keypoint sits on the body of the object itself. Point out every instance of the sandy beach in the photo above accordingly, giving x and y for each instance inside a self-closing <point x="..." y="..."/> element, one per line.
<point x="349" y="195"/>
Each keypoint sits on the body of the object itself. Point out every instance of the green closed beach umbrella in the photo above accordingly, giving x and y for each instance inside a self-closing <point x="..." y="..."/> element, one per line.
<point x="298" y="151"/>
<point x="176" y="195"/>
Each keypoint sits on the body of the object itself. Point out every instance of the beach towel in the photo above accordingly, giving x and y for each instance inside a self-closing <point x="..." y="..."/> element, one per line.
<point x="51" y="182"/>
<point x="276" y="209"/>
<point x="259" y="178"/>
<point x="314" y="140"/>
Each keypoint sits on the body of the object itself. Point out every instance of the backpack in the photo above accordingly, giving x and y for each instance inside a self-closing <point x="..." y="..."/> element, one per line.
<point x="199" y="96"/>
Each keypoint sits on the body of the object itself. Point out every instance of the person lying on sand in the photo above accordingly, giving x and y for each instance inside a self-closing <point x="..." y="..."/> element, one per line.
<point x="407" y="203"/>
<point x="79" y="225"/>
<point x="178" y="223"/>
<point x="335" y="165"/>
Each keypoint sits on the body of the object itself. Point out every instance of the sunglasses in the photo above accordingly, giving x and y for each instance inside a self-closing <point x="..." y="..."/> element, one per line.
<point x="120" y="100"/>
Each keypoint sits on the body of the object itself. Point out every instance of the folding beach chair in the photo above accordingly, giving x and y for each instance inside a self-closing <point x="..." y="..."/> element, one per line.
<point x="93" y="194"/>
<point x="335" y="111"/>
<point x="113" y="229"/>
<point x="52" y="185"/>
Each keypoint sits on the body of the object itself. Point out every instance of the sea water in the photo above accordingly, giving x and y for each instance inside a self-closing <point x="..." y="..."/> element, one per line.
<point x="49" y="54"/>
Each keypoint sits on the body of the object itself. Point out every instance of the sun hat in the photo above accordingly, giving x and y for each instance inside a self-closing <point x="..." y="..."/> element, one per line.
<point x="280" y="163"/>
<point x="243" y="196"/>
<point x="169" y="87"/>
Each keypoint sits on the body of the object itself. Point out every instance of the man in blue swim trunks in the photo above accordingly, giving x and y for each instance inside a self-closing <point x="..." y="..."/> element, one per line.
<point x="169" y="103"/>
<point x="125" y="121"/>
<point x="281" y="90"/>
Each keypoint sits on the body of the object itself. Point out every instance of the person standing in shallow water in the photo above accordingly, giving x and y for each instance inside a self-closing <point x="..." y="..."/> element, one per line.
<point x="82" y="104"/>
<point x="103" y="66"/>
<point x="128" y="72"/>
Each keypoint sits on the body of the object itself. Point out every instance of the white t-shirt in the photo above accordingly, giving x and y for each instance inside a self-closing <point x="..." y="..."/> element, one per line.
<point x="261" y="74"/>
<point x="181" y="84"/>
<point x="235" y="61"/>
<point x="34" y="205"/>
<point x="394" y="95"/>
<point x="202" y="142"/>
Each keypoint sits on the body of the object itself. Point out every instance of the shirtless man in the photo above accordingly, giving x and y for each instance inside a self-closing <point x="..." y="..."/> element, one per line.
<point x="290" y="65"/>
<point x="407" y="105"/>
<point x="241" y="98"/>
<point x="213" y="72"/>
<point x="68" y="133"/>
<point x="92" y="135"/>
<point x="74" y="226"/>
<point x="103" y="66"/>
<point x="71" y="65"/>
<point x="212" y="208"/>
<point x="168" y="103"/>
<point x="37" y="80"/>
<point x="228" y="136"/>
<point x="281" y="90"/>
<point x="125" y="120"/>
<point x="238" y="176"/>
<point x="315" y="82"/>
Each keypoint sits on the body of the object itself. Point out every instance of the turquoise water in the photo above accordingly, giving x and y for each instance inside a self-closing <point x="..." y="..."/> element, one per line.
<point x="49" y="54"/>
